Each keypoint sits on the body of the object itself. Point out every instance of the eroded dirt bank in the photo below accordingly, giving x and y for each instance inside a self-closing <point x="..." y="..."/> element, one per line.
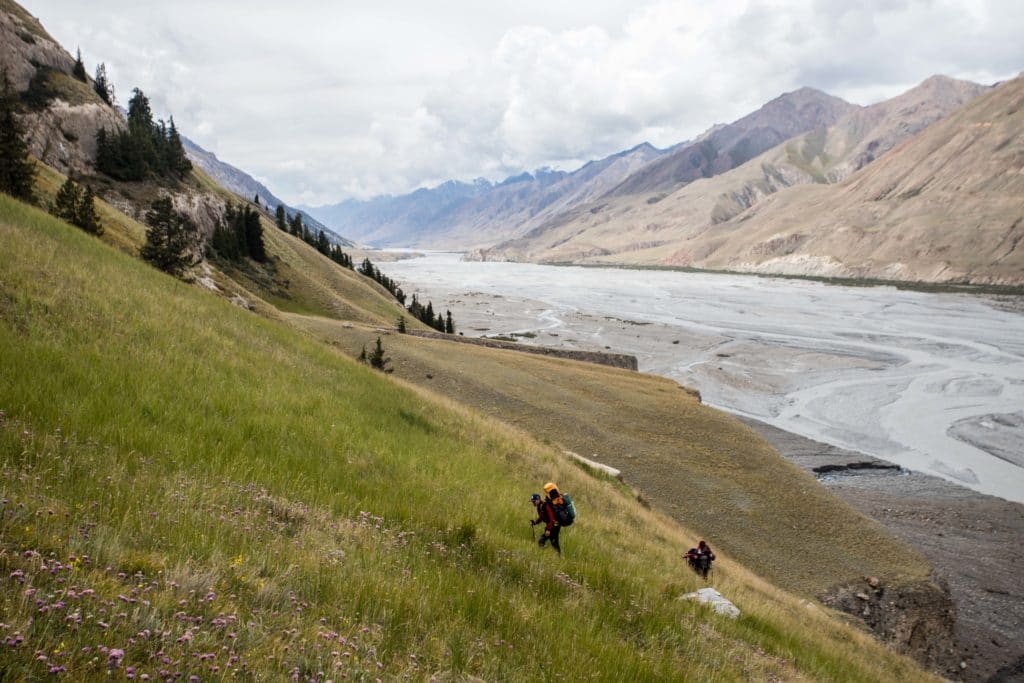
<point x="973" y="540"/>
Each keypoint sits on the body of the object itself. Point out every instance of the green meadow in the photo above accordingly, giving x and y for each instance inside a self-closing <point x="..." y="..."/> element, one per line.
<point x="190" y="489"/>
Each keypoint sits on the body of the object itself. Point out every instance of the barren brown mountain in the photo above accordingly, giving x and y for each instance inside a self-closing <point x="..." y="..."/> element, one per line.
<point x="951" y="191"/>
<point x="945" y="206"/>
<point x="725" y="147"/>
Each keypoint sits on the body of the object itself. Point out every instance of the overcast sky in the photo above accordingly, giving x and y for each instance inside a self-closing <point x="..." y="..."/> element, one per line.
<point x="327" y="99"/>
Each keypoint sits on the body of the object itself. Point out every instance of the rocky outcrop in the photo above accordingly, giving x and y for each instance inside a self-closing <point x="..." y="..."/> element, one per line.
<point x="25" y="46"/>
<point x="65" y="113"/>
<point x="64" y="135"/>
<point x="916" y="619"/>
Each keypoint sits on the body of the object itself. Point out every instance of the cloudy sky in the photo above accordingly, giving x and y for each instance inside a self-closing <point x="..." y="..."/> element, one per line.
<point x="328" y="99"/>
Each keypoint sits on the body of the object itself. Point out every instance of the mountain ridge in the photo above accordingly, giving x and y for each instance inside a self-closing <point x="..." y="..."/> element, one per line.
<point x="649" y="228"/>
<point x="244" y="185"/>
<point x="484" y="215"/>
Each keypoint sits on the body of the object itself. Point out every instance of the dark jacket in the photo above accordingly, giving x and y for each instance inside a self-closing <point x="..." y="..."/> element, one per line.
<point x="694" y="554"/>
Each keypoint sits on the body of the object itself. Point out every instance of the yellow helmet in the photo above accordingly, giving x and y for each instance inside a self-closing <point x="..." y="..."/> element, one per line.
<point x="549" y="487"/>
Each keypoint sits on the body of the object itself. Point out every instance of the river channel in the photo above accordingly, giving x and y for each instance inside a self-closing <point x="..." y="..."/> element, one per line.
<point x="933" y="382"/>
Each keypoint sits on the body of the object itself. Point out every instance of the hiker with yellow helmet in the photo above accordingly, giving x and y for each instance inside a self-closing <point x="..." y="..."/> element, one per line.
<point x="554" y="511"/>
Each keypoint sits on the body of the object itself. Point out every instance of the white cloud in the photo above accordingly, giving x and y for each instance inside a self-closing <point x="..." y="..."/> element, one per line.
<point x="325" y="100"/>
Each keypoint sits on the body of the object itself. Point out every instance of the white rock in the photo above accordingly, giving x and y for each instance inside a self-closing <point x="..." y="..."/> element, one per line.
<point x="601" y="467"/>
<point x="718" y="602"/>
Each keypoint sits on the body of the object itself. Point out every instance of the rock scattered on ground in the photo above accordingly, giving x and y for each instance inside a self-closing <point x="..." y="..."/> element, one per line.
<point x="719" y="603"/>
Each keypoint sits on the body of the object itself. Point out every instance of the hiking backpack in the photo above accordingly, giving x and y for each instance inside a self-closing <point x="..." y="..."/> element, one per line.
<point x="565" y="512"/>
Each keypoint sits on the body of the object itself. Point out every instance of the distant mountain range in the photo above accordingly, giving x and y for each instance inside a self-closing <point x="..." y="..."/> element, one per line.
<point x="456" y="214"/>
<point x="684" y="226"/>
<point x="776" y="191"/>
<point x="243" y="184"/>
<point x="463" y="215"/>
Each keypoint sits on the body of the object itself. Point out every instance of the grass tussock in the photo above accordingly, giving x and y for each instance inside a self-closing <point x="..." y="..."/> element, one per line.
<point x="190" y="490"/>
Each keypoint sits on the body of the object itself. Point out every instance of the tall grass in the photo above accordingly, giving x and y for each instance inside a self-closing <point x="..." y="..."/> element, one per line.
<point x="191" y="490"/>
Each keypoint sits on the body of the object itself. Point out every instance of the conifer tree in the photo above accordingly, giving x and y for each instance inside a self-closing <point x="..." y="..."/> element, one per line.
<point x="103" y="87"/>
<point x="87" y="218"/>
<point x="78" y="70"/>
<point x="17" y="172"/>
<point x="178" y="163"/>
<point x="254" y="235"/>
<point x="65" y="204"/>
<point x="401" y="324"/>
<point x="322" y="245"/>
<point x="377" y="358"/>
<point x="224" y="242"/>
<point x="281" y="218"/>
<point x="168" y="238"/>
<point x="141" y="153"/>
<point x="449" y="324"/>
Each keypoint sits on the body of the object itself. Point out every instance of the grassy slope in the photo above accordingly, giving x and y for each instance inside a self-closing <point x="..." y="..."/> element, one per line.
<point x="698" y="464"/>
<point x="300" y="279"/>
<point x="304" y="281"/>
<point x="181" y="476"/>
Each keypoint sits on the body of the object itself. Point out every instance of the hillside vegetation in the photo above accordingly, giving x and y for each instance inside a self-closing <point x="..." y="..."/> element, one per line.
<point x="190" y="489"/>
<point x="700" y="465"/>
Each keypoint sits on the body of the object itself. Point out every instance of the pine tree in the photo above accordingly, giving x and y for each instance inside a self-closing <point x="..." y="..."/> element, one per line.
<point x="78" y="70"/>
<point x="281" y="218"/>
<point x="87" y="218"/>
<point x="178" y="163"/>
<point x="401" y="324"/>
<point x="296" y="225"/>
<point x="224" y="242"/>
<point x="65" y="204"/>
<point x="362" y="355"/>
<point x="17" y="172"/>
<point x="103" y="87"/>
<point x="377" y="358"/>
<point x="108" y="154"/>
<point x="141" y="153"/>
<point x="168" y="238"/>
<point x="449" y="324"/>
<point x="254" y="235"/>
<point x="322" y="245"/>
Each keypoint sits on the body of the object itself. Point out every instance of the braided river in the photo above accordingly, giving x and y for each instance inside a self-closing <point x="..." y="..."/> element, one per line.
<point x="933" y="382"/>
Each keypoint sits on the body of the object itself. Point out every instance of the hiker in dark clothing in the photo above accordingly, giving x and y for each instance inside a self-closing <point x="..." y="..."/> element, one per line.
<point x="546" y="516"/>
<point x="700" y="559"/>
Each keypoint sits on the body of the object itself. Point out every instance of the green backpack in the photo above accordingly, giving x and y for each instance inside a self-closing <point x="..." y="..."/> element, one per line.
<point x="565" y="512"/>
